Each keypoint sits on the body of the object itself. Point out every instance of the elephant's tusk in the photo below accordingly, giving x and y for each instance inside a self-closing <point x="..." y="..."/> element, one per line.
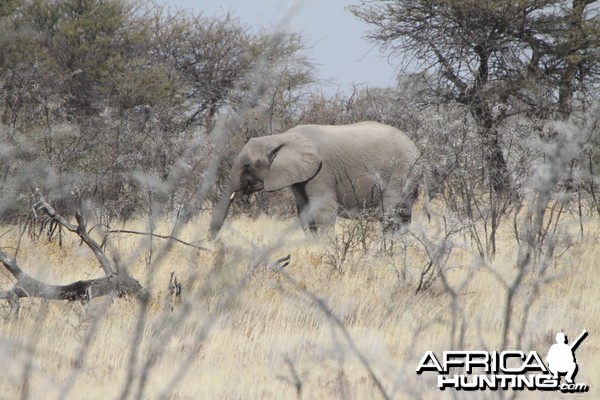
<point x="232" y="196"/>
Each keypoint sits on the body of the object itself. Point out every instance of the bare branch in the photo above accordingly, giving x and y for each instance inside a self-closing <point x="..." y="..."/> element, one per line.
<point x="42" y="206"/>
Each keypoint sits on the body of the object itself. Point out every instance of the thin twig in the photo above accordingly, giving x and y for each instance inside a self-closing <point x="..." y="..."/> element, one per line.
<point x="156" y="235"/>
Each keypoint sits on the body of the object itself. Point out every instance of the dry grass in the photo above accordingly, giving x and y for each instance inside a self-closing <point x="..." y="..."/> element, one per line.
<point x="247" y="332"/>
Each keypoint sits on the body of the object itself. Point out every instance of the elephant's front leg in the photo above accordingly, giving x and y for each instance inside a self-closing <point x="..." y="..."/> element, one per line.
<point x="302" y="206"/>
<point x="316" y="207"/>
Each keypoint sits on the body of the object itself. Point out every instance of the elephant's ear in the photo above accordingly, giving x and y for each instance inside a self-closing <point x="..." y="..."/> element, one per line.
<point x="295" y="159"/>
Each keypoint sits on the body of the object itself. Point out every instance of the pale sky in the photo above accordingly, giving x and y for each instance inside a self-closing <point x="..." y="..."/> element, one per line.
<point x="342" y="55"/>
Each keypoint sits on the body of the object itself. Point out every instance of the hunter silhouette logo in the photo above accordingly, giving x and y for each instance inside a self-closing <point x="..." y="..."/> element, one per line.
<point x="509" y="369"/>
<point x="561" y="356"/>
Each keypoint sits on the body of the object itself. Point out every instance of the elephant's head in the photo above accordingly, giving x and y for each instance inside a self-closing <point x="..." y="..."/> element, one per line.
<point x="267" y="163"/>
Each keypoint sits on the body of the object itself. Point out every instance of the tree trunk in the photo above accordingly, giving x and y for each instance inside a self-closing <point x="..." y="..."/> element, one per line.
<point x="572" y="59"/>
<point x="494" y="160"/>
<point x="499" y="175"/>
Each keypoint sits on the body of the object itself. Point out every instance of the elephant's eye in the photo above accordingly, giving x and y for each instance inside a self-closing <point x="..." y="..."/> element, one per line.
<point x="247" y="168"/>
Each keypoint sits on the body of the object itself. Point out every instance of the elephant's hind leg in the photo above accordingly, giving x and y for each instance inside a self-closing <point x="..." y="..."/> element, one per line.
<point x="398" y="212"/>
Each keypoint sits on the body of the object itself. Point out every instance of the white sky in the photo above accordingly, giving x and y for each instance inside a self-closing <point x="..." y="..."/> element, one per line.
<point x="343" y="57"/>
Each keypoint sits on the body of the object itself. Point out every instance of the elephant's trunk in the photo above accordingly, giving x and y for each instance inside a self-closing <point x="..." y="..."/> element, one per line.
<point x="222" y="207"/>
<point x="220" y="212"/>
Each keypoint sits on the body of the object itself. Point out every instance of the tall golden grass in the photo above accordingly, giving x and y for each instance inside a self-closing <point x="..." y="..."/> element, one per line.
<point x="315" y="330"/>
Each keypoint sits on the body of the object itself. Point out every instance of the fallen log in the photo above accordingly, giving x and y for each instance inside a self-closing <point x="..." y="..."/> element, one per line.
<point x="116" y="282"/>
<point x="26" y="286"/>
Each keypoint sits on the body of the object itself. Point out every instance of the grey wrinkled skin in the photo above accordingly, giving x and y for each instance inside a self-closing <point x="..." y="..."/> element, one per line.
<point x="332" y="171"/>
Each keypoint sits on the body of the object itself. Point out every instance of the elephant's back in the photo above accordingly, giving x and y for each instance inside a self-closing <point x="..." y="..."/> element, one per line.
<point x="363" y="139"/>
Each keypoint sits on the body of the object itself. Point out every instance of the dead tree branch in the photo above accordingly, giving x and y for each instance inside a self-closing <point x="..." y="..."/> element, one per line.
<point x="116" y="281"/>
<point x="85" y="290"/>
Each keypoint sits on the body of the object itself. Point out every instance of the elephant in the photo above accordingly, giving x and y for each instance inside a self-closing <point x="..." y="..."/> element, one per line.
<point x="333" y="170"/>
